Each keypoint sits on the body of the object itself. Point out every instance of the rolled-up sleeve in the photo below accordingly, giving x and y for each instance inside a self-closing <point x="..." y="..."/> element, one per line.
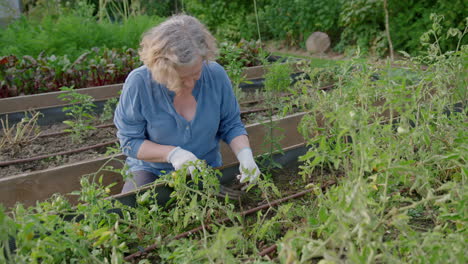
<point x="230" y="123"/>
<point x="128" y="118"/>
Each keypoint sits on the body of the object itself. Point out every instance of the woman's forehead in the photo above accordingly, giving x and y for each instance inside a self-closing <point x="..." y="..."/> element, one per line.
<point x="189" y="70"/>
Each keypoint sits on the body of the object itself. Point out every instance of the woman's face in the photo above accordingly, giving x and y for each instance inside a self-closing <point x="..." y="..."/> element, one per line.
<point x="189" y="75"/>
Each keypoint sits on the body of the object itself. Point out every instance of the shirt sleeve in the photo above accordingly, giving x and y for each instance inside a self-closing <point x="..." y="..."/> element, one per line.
<point x="128" y="118"/>
<point x="230" y="123"/>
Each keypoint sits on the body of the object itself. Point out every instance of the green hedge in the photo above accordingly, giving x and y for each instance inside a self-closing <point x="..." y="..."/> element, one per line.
<point x="71" y="35"/>
<point x="350" y="23"/>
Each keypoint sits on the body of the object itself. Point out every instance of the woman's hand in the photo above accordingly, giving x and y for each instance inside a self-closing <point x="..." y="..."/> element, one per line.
<point x="179" y="156"/>
<point x="248" y="168"/>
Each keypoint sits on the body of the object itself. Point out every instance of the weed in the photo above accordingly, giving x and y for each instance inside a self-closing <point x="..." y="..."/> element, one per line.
<point x="80" y="110"/>
<point x="20" y="134"/>
<point x="233" y="66"/>
<point x="109" y="108"/>
<point x="277" y="80"/>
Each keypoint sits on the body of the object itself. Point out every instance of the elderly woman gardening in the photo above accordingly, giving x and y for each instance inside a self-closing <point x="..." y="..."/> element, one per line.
<point x="176" y="108"/>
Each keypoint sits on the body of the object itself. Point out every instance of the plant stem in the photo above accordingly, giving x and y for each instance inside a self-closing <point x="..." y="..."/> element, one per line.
<point x="387" y="30"/>
<point x="256" y="18"/>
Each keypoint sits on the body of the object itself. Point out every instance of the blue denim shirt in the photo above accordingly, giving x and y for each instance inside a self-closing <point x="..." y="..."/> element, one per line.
<point x="146" y="111"/>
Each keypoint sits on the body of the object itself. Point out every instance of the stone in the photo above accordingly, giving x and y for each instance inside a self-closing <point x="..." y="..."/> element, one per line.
<point x="318" y="42"/>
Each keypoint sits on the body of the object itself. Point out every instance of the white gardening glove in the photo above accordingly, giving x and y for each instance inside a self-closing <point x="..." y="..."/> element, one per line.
<point x="248" y="168"/>
<point x="179" y="156"/>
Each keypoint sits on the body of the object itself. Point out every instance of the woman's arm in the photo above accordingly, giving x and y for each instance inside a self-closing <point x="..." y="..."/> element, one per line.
<point x="248" y="169"/>
<point x="238" y="143"/>
<point x="153" y="152"/>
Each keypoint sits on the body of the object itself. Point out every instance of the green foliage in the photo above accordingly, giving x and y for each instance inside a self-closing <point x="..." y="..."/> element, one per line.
<point x="434" y="37"/>
<point x="235" y="57"/>
<point x="363" y="24"/>
<point x="395" y="137"/>
<point x="109" y="108"/>
<point x="293" y="22"/>
<point x="100" y="66"/>
<point x="160" y="8"/>
<point x="278" y="77"/>
<point x="411" y="19"/>
<point x="59" y="36"/>
<point x="28" y="75"/>
<point x="80" y="110"/>
<point x="353" y="24"/>
<point x="225" y="19"/>
<point x="277" y="80"/>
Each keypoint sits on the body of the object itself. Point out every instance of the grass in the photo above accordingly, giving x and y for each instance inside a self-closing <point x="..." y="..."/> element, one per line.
<point x="317" y="62"/>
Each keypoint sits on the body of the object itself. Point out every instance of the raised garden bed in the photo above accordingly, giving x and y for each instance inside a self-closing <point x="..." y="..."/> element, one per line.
<point x="38" y="185"/>
<point x="249" y="205"/>
<point x="89" y="161"/>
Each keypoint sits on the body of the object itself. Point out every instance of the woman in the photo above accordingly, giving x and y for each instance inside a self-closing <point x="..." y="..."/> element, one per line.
<point x="176" y="108"/>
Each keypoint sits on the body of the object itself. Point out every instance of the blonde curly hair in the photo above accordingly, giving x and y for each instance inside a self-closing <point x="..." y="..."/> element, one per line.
<point x="178" y="41"/>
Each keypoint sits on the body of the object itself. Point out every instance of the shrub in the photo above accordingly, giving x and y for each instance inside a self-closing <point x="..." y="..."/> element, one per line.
<point x="230" y="20"/>
<point x="362" y="23"/>
<point x="294" y="22"/>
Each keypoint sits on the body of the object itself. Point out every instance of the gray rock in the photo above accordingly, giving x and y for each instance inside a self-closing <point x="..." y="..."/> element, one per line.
<point x="318" y="42"/>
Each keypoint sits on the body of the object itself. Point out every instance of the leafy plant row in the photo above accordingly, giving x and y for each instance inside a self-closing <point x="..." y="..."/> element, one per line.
<point x="99" y="66"/>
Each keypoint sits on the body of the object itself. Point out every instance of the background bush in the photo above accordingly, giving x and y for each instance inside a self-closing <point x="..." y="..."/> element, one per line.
<point x="71" y="31"/>
<point x="231" y="20"/>
<point x="410" y="19"/>
<point x="293" y="22"/>
<point x="349" y="23"/>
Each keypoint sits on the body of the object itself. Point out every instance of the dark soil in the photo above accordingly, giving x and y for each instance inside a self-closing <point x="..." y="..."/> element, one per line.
<point x="50" y="145"/>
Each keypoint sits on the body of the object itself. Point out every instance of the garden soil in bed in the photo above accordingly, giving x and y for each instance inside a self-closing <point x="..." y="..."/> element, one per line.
<point x="289" y="181"/>
<point x="53" y="144"/>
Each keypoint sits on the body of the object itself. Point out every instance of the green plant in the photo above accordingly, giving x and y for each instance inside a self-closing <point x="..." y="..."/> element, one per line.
<point x="382" y="129"/>
<point x="363" y="26"/>
<point x="118" y="10"/>
<point x="293" y="23"/>
<point x="97" y="67"/>
<point x="226" y="19"/>
<point x="235" y="57"/>
<point x="433" y="37"/>
<point x="277" y="80"/>
<point x="109" y="108"/>
<point x="415" y="17"/>
<point x="233" y="66"/>
<point x="58" y="35"/>
<point x="80" y="110"/>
